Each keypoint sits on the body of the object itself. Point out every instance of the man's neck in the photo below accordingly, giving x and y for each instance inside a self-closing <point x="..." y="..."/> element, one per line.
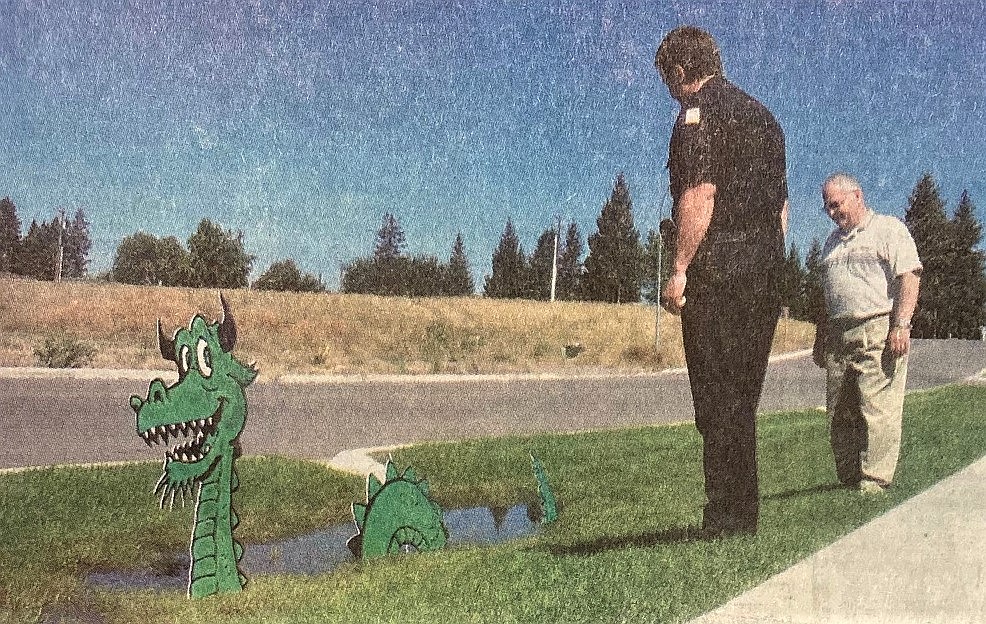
<point x="690" y="89"/>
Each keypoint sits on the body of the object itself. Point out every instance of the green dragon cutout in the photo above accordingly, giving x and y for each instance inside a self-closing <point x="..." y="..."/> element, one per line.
<point x="207" y="405"/>
<point x="397" y="514"/>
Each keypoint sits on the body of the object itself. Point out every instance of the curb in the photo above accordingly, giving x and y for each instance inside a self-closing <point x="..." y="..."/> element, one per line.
<point x="26" y="372"/>
<point x="360" y="462"/>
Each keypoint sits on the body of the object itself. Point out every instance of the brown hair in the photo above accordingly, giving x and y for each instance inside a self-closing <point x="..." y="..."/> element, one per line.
<point x="692" y="48"/>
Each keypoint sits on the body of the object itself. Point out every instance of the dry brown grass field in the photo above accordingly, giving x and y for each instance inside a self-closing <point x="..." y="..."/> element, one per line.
<point x="327" y="333"/>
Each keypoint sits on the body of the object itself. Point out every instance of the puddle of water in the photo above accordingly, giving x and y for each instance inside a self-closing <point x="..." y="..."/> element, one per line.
<point x="325" y="549"/>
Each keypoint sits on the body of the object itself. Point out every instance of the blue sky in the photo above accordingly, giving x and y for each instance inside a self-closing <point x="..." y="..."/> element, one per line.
<point x="301" y="123"/>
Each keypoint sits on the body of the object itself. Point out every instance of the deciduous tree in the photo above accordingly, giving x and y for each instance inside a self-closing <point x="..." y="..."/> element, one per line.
<point x="218" y="257"/>
<point x="285" y="275"/>
<point x="136" y="260"/>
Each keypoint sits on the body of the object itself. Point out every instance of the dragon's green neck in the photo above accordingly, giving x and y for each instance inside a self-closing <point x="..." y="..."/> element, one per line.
<point x="214" y="552"/>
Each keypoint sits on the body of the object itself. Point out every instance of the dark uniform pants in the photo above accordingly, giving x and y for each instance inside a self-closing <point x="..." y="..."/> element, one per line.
<point x="728" y="327"/>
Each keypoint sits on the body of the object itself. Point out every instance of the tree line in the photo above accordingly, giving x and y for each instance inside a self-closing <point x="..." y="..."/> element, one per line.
<point x="215" y="258"/>
<point x="618" y="267"/>
<point x="391" y="271"/>
<point x="49" y="250"/>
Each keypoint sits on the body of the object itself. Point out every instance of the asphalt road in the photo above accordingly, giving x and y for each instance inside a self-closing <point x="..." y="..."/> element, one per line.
<point x="68" y="420"/>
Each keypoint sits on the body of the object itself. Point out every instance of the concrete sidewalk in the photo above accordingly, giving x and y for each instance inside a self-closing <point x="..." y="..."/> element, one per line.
<point x="922" y="562"/>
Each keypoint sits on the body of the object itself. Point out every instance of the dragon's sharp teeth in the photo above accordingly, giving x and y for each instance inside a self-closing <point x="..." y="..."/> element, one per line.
<point x="172" y="428"/>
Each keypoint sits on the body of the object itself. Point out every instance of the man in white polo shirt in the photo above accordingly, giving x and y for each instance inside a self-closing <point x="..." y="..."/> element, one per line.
<point x="871" y="278"/>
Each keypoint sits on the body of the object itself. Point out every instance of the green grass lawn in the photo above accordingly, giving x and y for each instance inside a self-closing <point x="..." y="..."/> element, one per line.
<point x="619" y="552"/>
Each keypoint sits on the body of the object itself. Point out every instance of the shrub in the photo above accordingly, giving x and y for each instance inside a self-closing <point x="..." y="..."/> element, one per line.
<point x="64" y="350"/>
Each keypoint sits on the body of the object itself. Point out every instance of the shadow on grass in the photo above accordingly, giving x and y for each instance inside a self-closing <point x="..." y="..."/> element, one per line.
<point x="673" y="535"/>
<point x="818" y="489"/>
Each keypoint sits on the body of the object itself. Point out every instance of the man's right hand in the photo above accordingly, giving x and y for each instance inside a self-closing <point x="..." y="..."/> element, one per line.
<point x="673" y="297"/>
<point x="818" y="350"/>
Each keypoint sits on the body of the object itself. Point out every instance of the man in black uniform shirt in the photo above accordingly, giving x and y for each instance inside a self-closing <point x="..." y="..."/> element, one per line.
<point x="729" y="184"/>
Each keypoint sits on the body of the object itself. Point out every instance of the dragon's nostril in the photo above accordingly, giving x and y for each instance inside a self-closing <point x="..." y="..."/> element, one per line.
<point x="157" y="392"/>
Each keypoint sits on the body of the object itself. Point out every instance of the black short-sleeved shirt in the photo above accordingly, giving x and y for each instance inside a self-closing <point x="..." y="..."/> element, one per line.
<point x="725" y="137"/>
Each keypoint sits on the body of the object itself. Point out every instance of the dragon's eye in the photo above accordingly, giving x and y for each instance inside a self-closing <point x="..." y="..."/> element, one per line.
<point x="205" y="358"/>
<point x="183" y="360"/>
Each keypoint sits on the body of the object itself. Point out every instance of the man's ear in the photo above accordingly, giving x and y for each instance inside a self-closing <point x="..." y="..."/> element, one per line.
<point x="678" y="74"/>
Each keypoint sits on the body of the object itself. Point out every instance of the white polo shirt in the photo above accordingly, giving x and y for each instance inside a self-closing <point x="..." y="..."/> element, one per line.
<point x="861" y="267"/>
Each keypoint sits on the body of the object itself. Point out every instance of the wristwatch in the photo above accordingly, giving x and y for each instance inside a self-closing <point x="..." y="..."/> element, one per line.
<point x="903" y="324"/>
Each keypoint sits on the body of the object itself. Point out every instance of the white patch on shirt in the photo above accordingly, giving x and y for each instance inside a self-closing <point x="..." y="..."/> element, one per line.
<point x="692" y="116"/>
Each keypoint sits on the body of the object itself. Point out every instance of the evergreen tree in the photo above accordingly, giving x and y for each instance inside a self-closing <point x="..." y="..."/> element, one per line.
<point x="792" y="283"/>
<point x="509" y="277"/>
<point x="570" y="265"/>
<point x="360" y="277"/>
<point x="813" y="298"/>
<point x="931" y="230"/>
<point x="391" y="241"/>
<point x="218" y="258"/>
<point x="540" y="267"/>
<point x="458" y="279"/>
<point x="965" y="281"/>
<point x="614" y="267"/>
<point x="420" y="276"/>
<point x="655" y="261"/>
<point x="38" y="257"/>
<point x="76" y="245"/>
<point x="10" y="236"/>
<point x="425" y="276"/>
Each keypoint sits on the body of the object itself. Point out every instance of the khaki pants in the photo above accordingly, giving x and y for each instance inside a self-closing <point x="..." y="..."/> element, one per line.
<point x="865" y="400"/>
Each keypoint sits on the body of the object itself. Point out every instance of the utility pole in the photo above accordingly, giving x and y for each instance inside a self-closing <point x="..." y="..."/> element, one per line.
<point x="61" y="245"/>
<point x="660" y="271"/>
<point x="554" y="259"/>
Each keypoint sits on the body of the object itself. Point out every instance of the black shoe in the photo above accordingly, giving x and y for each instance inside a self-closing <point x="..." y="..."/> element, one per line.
<point x="718" y="529"/>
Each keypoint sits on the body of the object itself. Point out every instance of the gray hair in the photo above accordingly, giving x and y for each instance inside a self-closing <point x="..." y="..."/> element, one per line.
<point x="843" y="181"/>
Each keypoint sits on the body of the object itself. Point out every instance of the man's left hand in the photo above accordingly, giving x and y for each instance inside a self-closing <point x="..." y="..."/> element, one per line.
<point x="899" y="340"/>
